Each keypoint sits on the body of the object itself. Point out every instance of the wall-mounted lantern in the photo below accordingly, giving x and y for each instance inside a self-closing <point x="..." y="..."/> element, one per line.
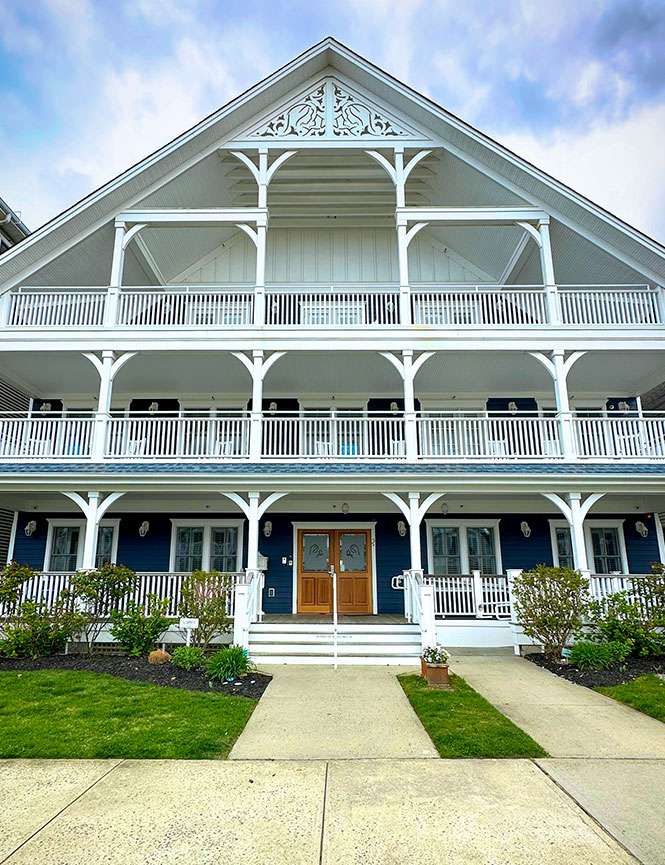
<point x="401" y="528"/>
<point x="267" y="529"/>
<point x="144" y="528"/>
<point x="30" y="528"/>
<point x="641" y="529"/>
<point x="525" y="529"/>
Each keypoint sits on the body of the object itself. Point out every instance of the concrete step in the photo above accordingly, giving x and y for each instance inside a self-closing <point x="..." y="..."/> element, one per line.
<point x="262" y="627"/>
<point x="327" y="636"/>
<point x="327" y="649"/>
<point x="342" y="660"/>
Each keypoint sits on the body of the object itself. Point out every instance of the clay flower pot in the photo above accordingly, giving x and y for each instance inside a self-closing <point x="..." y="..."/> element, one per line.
<point x="436" y="674"/>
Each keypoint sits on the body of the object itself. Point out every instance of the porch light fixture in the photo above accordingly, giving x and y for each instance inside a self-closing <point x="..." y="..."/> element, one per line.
<point x="525" y="528"/>
<point x="272" y="407"/>
<point x="345" y="508"/>
<point x="144" y="528"/>
<point x="153" y="407"/>
<point x="641" y="529"/>
<point x="30" y="528"/>
<point x="512" y="406"/>
<point x="394" y="408"/>
<point x="445" y="507"/>
<point x="401" y="528"/>
<point x="45" y="407"/>
<point x="267" y="529"/>
<point x="623" y="405"/>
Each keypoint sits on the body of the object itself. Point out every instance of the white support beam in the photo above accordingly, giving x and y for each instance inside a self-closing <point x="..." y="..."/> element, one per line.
<point x="414" y="512"/>
<point x="108" y="366"/>
<point x="174" y="217"/>
<point x="408" y="368"/>
<point x="558" y="366"/>
<point x="575" y="509"/>
<point x="471" y="215"/>
<point x="257" y="367"/>
<point x="93" y="507"/>
<point x="253" y="508"/>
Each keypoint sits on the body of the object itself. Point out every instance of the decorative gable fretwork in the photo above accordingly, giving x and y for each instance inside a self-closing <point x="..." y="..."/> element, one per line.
<point x="332" y="111"/>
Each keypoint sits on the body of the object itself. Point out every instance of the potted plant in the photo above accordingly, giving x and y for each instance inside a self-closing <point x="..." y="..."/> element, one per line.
<point x="434" y="665"/>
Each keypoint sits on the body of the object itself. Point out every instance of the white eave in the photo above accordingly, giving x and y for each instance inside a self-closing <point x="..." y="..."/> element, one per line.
<point x="461" y="139"/>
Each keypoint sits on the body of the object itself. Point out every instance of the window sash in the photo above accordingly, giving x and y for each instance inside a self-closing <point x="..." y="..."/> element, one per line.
<point x="463" y="549"/>
<point x="606" y="550"/>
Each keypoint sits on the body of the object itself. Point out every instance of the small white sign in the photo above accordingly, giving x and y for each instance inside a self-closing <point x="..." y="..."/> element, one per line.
<point x="189" y="624"/>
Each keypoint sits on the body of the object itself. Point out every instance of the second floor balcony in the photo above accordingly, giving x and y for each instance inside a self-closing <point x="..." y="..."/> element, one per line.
<point x="317" y="437"/>
<point x="234" y="307"/>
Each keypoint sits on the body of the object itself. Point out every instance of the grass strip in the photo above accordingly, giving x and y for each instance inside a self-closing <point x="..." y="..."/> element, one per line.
<point x="76" y="714"/>
<point x="461" y="723"/>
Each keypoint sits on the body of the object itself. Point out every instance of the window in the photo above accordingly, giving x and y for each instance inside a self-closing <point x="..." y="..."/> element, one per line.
<point x="206" y="545"/>
<point x="604" y="542"/>
<point x="462" y="547"/>
<point x="64" y="544"/>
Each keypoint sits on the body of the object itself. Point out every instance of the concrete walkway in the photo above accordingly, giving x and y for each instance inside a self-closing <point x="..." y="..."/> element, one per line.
<point x="316" y="712"/>
<point x="374" y="812"/>
<point x="566" y="719"/>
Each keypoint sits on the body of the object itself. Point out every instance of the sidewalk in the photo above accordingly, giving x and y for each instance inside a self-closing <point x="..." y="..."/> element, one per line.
<point x="566" y="719"/>
<point x="317" y="712"/>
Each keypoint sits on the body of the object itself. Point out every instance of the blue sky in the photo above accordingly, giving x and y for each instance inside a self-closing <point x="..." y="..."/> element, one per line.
<point x="87" y="87"/>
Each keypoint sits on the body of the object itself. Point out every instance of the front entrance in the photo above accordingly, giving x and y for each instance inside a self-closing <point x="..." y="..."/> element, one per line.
<point x="349" y="551"/>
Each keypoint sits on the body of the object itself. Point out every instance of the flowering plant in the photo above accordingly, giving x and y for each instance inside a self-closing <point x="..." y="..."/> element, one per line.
<point x="435" y="655"/>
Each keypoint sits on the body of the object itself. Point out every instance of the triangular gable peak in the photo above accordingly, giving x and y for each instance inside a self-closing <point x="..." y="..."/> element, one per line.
<point x="330" y="111"/>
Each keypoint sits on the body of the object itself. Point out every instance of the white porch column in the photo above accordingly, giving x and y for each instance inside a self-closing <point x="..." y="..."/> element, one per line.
<point x="407" y="367"/>
<point x="253" y="508"/>
<point x="108" y="367"/>
<point x="547" y="265"/>
<point x="117" y="264"/>
<point x="413" y="513"/>
<point x="94" y="508"/>
<point x="575" y="510"/>
<point x="257" y="367"/>
<point x="558" y="366"/>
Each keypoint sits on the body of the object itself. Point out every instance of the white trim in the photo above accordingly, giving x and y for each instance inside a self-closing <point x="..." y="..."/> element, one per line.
<point x="12" y="538"/>
<point x="80" y="524"/>
<point x="207" y="525"/>
<point x="332" y="526"/>
<point x="606" y="524"/>
<point x="462" y="525"/>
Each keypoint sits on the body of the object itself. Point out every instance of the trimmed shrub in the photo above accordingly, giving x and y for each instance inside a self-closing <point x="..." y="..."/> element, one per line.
<point x="188" y="657"/>
<point x="549" y="603"/>
<point x="34" y="630"/>
<point x="624" y="619"/>
<point x="12" y="578"/>
<point x="97" y="593"/>
<point x="138" y="631"/>
<point x="228" y="664"/>
<point x="586" y="655"/>
<point x="203" y="596"/>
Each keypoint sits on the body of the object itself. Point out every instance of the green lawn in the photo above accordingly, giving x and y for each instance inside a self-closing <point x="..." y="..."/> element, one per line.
<point x="67" y="713"/>
<point x="647" y="693"/>
<point x="461" y="723"/>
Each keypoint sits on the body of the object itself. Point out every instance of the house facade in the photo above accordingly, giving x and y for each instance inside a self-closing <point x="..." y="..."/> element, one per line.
<point x="337" y="342"/>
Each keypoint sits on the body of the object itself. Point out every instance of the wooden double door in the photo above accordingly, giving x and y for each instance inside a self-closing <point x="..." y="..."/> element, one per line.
<point x="349" y="552"/>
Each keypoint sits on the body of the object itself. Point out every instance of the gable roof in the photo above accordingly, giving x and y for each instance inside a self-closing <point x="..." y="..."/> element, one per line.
<point x="587" y="219"/>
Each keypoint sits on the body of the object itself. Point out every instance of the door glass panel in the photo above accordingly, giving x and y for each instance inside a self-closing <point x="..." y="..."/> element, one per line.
<point x="104" y="546"/>
<point x="64" y="548"/>
<point x="353" y="551"/>
<point x="446" y="552"/>
<point x="480" y="542"/>
<point x="564" y="547"/>
<point x="224" y="550"/>
<point x="189" y="549"/>
<point x="315" y="552"/>
<point x="606" y="550"/>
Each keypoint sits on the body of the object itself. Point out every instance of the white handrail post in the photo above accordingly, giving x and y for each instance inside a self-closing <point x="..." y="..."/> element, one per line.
<point x="511" y="574"/>
<point x="478" y="594"/>
<point x="111" y="313"/>
<point x="428" y="621"/>
<point x="410" y="429"/>
<point x="5" y="307"/>
<point x="547" y="262"/>
<point x="240" y="631"/>
<point x="660" y="303"/>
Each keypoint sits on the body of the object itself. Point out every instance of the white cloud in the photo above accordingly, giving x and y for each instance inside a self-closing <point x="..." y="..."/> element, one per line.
<point x="620" y="166"/>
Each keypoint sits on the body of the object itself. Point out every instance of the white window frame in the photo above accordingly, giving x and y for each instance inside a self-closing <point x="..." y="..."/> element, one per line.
<point x="79" y="524"/>
<point x="463" y="525"/>
<point x="588" y="525"/>
<point x="207" y="525"/>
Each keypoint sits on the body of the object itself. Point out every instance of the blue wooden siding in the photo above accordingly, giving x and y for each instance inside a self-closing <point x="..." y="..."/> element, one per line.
<point x="392" y="552"/>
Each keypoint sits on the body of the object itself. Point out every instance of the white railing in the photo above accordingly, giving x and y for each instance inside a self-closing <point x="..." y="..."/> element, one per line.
<point x="609" y="304"/>
<point x="39" y="438"/>
<point x="473" y="595"/>
<point x="45" y="588"/>
<point x="490" y="438"/>
<point x="57" y="307"/>
<point x="181" y="438"/>
<point x="478" y="305"/>
<point x="248" y="605"/>
<point x="635" y="437"/>
<point x="418" y="604"/>
<point x="337" y="306"/>
<point x="315" y="436"/>
<point x="332" y="306"/>
<point x="186" y="306"/>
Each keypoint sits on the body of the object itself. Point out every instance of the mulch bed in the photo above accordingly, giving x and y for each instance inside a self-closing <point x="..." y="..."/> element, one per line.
<point x="139" y="670"/>
<point x="626" y="671"/>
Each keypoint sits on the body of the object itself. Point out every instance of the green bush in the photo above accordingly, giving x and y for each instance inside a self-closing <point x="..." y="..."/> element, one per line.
<point x="228" y="664"/>
<point x="138" y="631"/>
<point x="586" y="655"/>
<point x="34" y="630"/>
<point x="203" y="597"/>
<point x="548" y="604"/>
<point x="12" y="578"/>
<point x="97" y="593"/>
<point x="620" y="618"/>
<point x="188" y="657"/>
